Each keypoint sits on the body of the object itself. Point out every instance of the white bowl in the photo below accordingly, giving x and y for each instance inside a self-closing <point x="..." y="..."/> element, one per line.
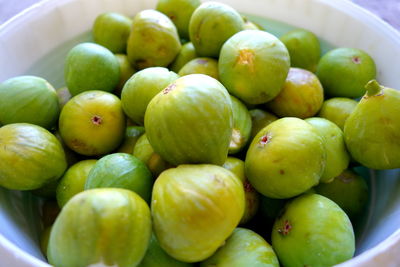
<point x="37" y="40"/>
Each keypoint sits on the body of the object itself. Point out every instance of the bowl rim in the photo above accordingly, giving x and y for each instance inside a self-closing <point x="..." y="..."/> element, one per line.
<point x="375" y="256"/>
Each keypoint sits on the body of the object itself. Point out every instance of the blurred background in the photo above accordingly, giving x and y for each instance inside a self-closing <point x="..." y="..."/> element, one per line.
<point x="388" y="10"/>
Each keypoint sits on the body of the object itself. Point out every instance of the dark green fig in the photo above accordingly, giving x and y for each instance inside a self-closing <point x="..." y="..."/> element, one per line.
<point x="313" y="231"/>
<point x="344" y="72"/>
<point x="349" y="191"/>
<point x="302" y="95"/>
<point x="253" y="66"/>
<point x="201" y="65"/>
<point x="337" y="157"/>
<point x="145" y="152"/>
<point x="259" y="120"/>
<point x="304" y="49"/>
<point x="132" y="135"/>
<point x="121" y="170"/>
<point x="190" y="121"/>
<point x="211" y="24"/>
<point x="277" y="155"/>
<point x="153" y="41"/>
<point x="243" y="248"/>
<point x="337" y="110"/>
<point x="372" y="131"/>
<point x="111" y="30"/>
<point x="241" y="126"/>
<point x="186" y="54"/>
<point x="141" y="88"/>
<point x="180" y="12"/>
<point x="28" y="99"/>
<point x="195" y="208"/>
<point x="90" y="66"/>
<point x="126" y="71"/>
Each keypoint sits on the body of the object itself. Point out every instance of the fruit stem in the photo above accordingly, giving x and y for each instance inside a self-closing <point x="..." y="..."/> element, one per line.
<point x="373" y="88"/>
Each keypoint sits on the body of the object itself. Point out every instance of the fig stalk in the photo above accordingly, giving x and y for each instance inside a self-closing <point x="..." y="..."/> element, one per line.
<point x="373" y="88"/>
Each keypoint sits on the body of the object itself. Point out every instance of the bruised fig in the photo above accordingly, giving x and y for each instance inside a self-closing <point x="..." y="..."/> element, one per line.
<point x="241" y="126"/>
<point x="337" y="110"/>
<point x="201" y="65"/>
<point x="313" y="231"/>
<point x="260" y="119"/>
<point x="372" y="131"/>
<point x="277" y="155"/>
<point x="153" y="40"/>
<point x="186" y="54"/>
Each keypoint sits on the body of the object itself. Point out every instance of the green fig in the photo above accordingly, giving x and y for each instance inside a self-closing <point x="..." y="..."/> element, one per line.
<point x="337" y="157"/>
<point x="259" y="120"/>
<point x="313" y="231"/>
<point x="249" y="25"/>
<point x="63" y="95"/>
<point x="153" y="40"/>
<point x="190" y="121"/>
<point x="44" y="240"/>
<point x="337" y="110"/>
<point x="349" y="191"/>
<point x="241" y="126"/>
<point x="126" y="71"/>
<point x="301" y="96"/>
<point x="344" y="72"/>
<point x="243" y="248"/>
<point x="201" y="65"/>
<point x="180" y="12"/>
<point x="372" y="131"/>
<point x="194" y="209"/>
<point x="253" y="66"/>
<point x="211" y="24"/>
<point x="141" y="88"/>
<point x="277" y="155"/>
<point x="132" y="135"/>
<point x="186" y="54"/>
<point x="304" y="49"/>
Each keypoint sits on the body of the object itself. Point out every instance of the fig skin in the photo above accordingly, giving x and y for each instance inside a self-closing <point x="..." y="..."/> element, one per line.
<point x="243" y="248"/>
<point x="186" y="54"/>
<point x="337" y="110"/>
<point x="194" y="209"/>
<point x="241" y="126"/>
<point x="211" y="24"/>
<point x="253" y="66"/>
<point x="153" y="41"/>
<point x="132" y="135"/>
<point x="337" y="157"/>
<point x="302" y="95"/>
<point x="313" y="231"/>
<point x="201" y="65"/>
<point x="372" y="131"/>
<point x="277" y="155"/>
<point x="191" y="121"/>
<point x="126" y="72"/>
<point x="259" y="120"/>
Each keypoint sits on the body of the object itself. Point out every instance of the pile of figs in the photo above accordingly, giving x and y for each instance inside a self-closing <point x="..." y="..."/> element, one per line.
<point x="190" y="136"/>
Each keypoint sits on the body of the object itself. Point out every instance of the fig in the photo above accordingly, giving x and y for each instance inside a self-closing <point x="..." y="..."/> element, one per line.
<point x="111" y="30"/>
<point x="126" y="72"/>
<point x="190" y="121"/>
<point x="180" y="12"/>
<point x="277" y="155"/>
<point x="90" y="66"/>
<point x="349" y="191"/>
<point x="186" y="54"/>
<point x="211" y="24"/>
<point x="249" y="25"/>
<point x="344" y="72"/>
<point x="313" y="231"/>
<point x="121" y="170"/>
<point x="241" y="126"/>
<point x="372" y="131"/>
<point x="92" y="123"/>
<point x="101" y="227"/>
<point x="44" y="240"/>
<point x="302" y="95"/>
<point x="132" y="135"/>
<point x="28" y="99"/>
<point x="73" y="181"/>
<point x="337" y="157"/>
<point x="251" y="196"/>
<point x="194" y="209"/>
<point x="30" y="157"/>
<point x="145" y="152"/>
<point x="243" y="248"/>
<point x="156" y="257"/>
<point x="141" y="88"/>
<point x="253" y="66"/>
<point x="337" y="110"/>
<point x="153" y="41"/>
<point x="201" y="65"/>
<point x="303" y="47"/>
<point x="63" y="95"/>
<point x="259" y="120"/>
